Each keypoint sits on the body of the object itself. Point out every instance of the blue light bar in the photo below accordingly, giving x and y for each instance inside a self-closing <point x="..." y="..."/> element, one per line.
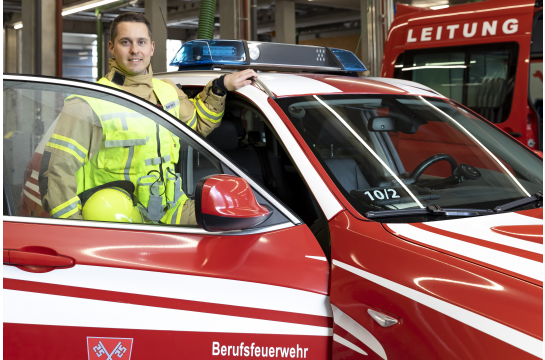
<point x="349" y="60"/>
<point x="210" y="52"/>
<point x="265" y="56"/>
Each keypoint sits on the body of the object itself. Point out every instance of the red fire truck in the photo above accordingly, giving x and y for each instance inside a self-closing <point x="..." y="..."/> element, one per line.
<point x="487" y="56"/>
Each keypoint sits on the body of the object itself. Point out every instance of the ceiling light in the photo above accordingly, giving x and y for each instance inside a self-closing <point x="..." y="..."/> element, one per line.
<point x="85" y="6"/>
<point x="439" y="7"/>
<point x="18" y="25"/>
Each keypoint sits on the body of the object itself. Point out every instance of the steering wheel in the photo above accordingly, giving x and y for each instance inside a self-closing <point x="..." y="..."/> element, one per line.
<point x="459" y="173"/>
<point x="419" y="170"/>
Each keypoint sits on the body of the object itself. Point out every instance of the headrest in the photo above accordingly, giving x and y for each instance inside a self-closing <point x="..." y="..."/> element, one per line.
<point x="329" y="134"/>
<point x="234" y="116"/>
<point x="225" y="137"/>
<point x="241" y="132"/>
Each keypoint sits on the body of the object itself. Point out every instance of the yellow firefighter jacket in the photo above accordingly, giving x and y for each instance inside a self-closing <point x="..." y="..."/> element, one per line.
<point x="96" y="142"/>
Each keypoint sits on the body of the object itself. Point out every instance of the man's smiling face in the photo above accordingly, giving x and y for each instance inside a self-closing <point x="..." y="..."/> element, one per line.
<point x="132" y="47"/>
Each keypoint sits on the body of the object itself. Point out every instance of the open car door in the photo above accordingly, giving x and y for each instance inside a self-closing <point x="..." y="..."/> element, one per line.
<point x="85" y="289"/>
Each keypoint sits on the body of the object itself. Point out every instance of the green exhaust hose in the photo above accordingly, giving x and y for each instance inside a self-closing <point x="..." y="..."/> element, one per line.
<point x="206" y="19"/>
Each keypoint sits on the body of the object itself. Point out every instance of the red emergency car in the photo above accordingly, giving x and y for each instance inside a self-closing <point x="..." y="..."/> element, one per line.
<point x="340" y="218"/>
<point x="486" y="55"/>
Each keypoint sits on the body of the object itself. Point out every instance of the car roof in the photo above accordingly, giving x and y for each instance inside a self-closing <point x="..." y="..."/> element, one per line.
<point x="289" y="84"/>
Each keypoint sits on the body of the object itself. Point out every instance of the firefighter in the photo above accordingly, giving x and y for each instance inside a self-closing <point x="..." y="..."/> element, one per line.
<point x="98" y="144"/>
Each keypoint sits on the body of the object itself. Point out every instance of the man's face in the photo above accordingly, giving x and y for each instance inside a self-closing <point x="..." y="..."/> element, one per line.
<point x="132" y="47"/>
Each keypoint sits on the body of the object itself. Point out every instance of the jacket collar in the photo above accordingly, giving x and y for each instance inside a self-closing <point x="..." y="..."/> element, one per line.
<point x="139" y="85"/>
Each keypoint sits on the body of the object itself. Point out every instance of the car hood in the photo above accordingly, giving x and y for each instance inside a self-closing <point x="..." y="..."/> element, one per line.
<point x="511" y="243"/>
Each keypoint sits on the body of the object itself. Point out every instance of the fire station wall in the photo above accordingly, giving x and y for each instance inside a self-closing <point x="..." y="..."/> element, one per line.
<point x="346" y="42"/>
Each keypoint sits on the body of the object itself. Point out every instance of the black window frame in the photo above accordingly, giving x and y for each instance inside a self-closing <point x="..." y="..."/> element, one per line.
<point x="536" y="47"/>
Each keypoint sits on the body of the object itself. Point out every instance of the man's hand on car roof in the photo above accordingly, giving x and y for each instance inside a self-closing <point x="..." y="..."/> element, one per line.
<point x="239" y="79"/>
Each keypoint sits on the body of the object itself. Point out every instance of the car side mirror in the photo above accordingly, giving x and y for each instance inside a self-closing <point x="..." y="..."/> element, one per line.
<point x="226" y="202"/>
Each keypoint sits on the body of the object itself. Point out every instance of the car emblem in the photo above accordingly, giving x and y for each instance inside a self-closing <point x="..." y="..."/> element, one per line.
<point x="113" y="348"/>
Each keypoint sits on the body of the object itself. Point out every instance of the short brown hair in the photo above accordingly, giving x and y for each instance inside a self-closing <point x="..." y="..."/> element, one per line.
<point x="129" y="17"/>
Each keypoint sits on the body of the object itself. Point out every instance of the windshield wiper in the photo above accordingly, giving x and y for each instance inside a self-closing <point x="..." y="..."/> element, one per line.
<point x="524" y="201"/>
<point x="429" y="210"/>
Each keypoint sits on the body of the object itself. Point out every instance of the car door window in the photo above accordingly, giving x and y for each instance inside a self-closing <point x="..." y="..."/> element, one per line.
<point x="246" y="136"/>
<point x="32" y="112"/>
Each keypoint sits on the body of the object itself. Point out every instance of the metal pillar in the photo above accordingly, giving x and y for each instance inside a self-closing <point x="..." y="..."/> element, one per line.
<point x="58" y="37"/>
<point x="156" y="12"/>
<point x="376" y="38"/>
<point x="100" y="47"/>
<point x="388" y="16"/>
<point x="228" y="19"/>
<point x="364" y="37"/>
<point x="19" y="51"/>
<point x="48" y="38"/>
<point x="244" y="16"/>
<point x="13" y="47"/>
<point x="253" y="20"/>
<point x="284" y="18"/>
<point x="10" y="50"/>
<point x="379" y="18"/>
<point x="29" y="43"/>
<point x="37" y="38"/>
<point x="39" y="47"/>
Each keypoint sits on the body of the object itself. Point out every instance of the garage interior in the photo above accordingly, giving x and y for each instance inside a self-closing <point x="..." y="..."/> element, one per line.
<point x="32" y="29"/>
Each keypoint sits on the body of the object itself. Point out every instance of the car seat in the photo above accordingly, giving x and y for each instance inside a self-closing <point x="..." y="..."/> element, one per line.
<point x="226" y="138"/>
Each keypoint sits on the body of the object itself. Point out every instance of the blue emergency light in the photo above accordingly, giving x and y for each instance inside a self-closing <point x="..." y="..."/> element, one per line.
<point x="207" y="52"/>
<point x="238" y="54"/>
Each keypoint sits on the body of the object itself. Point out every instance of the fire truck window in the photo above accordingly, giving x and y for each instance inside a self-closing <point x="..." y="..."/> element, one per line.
<point x="43" y="145"/>
<point x="443" y="72"/>
<point x="481" y="77"/>
<point x="488" y="83"/>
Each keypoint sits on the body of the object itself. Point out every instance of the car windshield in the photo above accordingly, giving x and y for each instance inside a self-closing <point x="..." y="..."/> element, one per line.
<point x="387" y="152"/>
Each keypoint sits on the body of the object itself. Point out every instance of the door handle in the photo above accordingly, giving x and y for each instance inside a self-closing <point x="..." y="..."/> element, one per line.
<point x="515" y="134"/>
<point x="23" y="258"/>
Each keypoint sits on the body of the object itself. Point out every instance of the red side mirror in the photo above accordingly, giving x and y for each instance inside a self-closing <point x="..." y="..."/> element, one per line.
<point x="226" y="202"/>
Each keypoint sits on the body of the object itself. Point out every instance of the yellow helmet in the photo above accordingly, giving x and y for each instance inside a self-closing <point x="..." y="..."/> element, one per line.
<point x="111" y="204"/>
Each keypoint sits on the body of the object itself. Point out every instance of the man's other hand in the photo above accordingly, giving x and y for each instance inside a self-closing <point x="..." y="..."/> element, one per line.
<point x="239" y="79"/>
